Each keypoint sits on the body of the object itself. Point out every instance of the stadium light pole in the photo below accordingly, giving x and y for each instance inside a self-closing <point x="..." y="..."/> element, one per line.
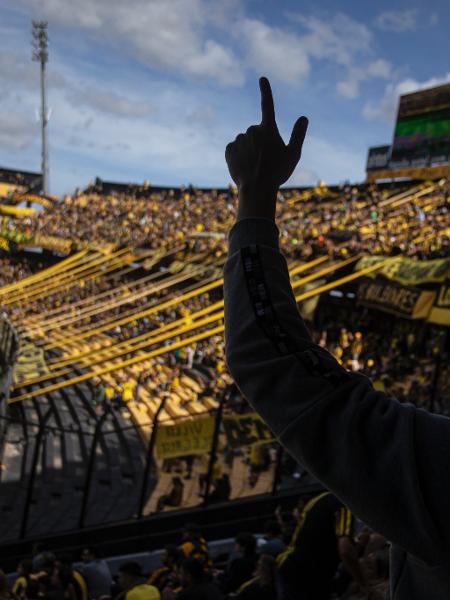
<point x="40" y="54"/>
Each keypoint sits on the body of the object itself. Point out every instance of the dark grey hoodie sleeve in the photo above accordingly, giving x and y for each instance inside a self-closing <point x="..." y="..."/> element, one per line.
<point x="388" y="462"/>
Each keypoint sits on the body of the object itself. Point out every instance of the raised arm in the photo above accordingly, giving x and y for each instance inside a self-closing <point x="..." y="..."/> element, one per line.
<point x="381" y="458"/>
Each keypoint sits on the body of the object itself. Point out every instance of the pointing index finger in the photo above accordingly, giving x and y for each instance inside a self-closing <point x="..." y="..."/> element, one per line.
<point x="267" y="107"/>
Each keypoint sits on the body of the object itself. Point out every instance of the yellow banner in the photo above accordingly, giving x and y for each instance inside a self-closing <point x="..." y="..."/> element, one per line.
<point x="408" y="271"/>
<point x="17" y="211"/>
<point x="246" y="430"/>
<point x="30" y="363"/>
<point x="188" y="437"/>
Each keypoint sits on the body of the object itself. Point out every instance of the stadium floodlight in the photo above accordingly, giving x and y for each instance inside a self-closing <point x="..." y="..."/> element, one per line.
<point x="40" y="54"/>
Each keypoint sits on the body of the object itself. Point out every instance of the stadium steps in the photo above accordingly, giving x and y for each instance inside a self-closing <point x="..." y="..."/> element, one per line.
<point x="61" y="472"/>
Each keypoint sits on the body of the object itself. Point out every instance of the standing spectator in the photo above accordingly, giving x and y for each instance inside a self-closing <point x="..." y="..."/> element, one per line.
<point x="322" y="538"/>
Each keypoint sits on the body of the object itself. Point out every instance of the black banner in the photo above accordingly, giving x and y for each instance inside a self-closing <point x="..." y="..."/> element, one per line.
<point x="394" y="298"/>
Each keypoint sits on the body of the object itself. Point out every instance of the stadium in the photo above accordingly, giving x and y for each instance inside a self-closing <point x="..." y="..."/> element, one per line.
<point x="124" y="436"/>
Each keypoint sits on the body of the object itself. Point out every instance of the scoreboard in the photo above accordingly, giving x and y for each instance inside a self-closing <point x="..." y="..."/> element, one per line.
<point x="422" y="131"/>
<point x="421" y="141"/>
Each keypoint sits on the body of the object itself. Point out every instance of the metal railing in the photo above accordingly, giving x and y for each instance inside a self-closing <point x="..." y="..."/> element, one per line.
<point x="70" y="478"/>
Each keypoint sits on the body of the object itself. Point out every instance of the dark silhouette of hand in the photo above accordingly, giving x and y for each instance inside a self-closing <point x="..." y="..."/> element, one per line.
<point x="259" y="161"/>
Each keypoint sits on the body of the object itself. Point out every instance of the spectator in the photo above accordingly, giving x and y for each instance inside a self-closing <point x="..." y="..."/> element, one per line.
<point x="174" y="497"/>
<point x="264" y="585"/>
<point x="22" y="583"/>
<point x="195" y="546"/>
<point x="4" y="593"/>
<point x="42" y="558"/>
<point x="242" y="563"/>
<point x="63" y="582"/>
<point x="273" y="545"/>
<point x="96" y="573"/>
<point x="221" y="491"/>
<point x="172" y="558"/>
<point x="194" y="582"/>
<point x="383" y="458"/>
<point x="131" y="580"/>
<point x="323" y="537"/>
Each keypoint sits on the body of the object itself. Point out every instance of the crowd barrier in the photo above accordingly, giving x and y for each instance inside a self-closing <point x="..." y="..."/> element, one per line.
<point x="188" y="464"/>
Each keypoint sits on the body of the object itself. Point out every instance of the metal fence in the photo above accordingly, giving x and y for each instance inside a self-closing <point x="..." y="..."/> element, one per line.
<point x="58" y="479"/>
<point x="9" y="343"/>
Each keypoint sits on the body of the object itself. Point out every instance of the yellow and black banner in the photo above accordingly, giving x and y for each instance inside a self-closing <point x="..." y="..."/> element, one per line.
<point x="187" y="437"/>
<point x="246" y="430"/>
<point x="396" y="299"/>
<point x="196" y="436"/>
<point x="408" y="271"/>
<point x="440" y="312"/>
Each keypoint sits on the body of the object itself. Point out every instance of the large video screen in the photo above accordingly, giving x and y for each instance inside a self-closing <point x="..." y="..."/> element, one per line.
<point x="422" y="131"/>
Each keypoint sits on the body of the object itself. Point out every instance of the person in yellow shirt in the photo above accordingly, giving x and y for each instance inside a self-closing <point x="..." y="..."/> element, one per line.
<point x="132" y="581"/>
<point x="128" y="392"/>
<point x="21" y="584"/>
<point x="109" y="395"/>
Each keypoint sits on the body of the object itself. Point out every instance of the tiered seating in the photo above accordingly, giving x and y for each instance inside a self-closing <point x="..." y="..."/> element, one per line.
<point x="98" y="315"/>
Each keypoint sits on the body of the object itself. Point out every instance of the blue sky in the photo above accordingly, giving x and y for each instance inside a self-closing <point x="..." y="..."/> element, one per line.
<point x="155" y="89"/>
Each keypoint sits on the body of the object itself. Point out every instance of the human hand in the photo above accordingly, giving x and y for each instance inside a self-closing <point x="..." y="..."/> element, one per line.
<point x="259" y="161"/>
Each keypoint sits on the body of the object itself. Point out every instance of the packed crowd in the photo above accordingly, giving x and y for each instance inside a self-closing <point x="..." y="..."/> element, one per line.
<point x="313" y="221"/>
<point x="316" y="549"/>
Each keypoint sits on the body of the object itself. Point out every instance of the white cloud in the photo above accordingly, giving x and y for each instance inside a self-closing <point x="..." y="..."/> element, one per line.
<point x="165" y="34"/>
<point x="349" y="87"/>
<point x="276" y="52"/>
<point x="397" y="20"/>
<point x="386" y="109"/>
<point x="379" y="68"/>
<point x="345" y="42"/>
<point x="340" y="39"/>
<point x="337" y="159"/>
<point x="107" y="101"/>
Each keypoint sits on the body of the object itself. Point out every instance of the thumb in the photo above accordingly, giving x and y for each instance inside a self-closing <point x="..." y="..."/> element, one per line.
<point x="297" y="136"/>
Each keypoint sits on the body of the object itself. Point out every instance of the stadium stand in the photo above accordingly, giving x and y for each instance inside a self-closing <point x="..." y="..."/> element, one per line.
<point x="121" y="405"/>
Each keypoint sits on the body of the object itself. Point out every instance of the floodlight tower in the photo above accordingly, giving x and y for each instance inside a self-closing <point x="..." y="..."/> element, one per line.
<point x="40" y="54"/>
